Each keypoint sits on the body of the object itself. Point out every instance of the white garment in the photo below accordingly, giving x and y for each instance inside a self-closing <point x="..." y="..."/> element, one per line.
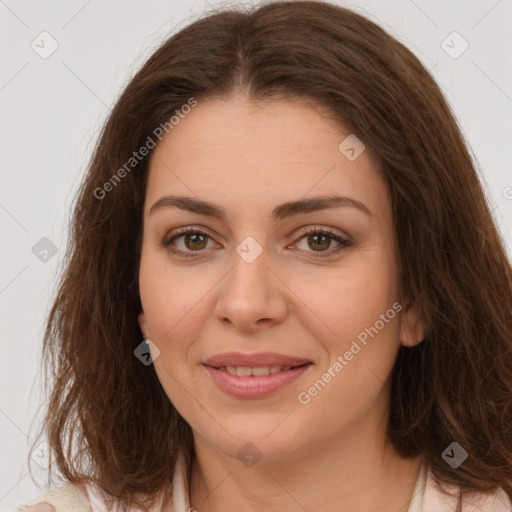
<point x="417" y="493"/>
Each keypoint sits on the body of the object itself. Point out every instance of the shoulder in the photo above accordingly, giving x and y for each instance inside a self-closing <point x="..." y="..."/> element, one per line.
<point x="66" y="498"/>
<point x="435" y="500"/>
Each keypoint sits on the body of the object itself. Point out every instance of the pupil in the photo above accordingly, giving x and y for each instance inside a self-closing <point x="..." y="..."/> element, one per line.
<point x="195" y="238"/>
<point x="313" y="237"/>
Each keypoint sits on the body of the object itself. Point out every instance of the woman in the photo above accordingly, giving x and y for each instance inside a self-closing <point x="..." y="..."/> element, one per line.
<point x="285" y="289"/>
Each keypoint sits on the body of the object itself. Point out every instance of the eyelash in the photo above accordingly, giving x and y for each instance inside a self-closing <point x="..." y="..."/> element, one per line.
<point x="166" y="242"/>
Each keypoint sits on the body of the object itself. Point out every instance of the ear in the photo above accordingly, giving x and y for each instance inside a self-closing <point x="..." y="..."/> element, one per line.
<point x="412" y="328"/>
<point x="143" y="324"/>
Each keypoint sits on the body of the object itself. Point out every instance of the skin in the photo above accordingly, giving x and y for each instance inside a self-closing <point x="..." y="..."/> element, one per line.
<point x="331" y="454"/>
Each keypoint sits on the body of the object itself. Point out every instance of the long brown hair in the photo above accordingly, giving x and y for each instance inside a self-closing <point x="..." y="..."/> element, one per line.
<point x="108" y="418"/>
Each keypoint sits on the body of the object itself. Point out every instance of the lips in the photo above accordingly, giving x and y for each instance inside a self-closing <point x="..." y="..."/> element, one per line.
<point x="246" y="371"/>
<point x="254" y="375"/>
<point x="262" y="359"/>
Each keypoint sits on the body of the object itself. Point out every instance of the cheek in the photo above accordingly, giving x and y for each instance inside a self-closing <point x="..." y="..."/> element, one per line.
<point x="353" y="299"/>
<point x="170" y="305"/>
<point x="168" y="302"/>
<point x="360" y="354"/>
<point x="171" y="297"/>
<point x="359" y="306"/>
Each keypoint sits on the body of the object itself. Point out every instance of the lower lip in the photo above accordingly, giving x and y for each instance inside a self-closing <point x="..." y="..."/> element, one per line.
<point x="255" y="386"/>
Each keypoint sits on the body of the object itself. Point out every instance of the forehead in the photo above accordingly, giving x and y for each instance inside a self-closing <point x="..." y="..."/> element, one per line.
<point x="284" y="126"/>
<point x="244" y="152"/>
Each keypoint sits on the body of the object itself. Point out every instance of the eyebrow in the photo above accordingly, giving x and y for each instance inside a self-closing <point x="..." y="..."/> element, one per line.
<point x="280" y="212"/>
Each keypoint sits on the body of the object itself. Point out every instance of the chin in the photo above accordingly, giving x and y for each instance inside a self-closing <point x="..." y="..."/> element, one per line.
<point x="251" y="445"/>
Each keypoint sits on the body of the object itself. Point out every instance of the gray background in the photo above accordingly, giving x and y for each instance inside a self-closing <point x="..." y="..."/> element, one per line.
<point x="52" y="110"/>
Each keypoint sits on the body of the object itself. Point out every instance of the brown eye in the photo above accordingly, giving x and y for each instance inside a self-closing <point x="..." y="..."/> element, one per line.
<point x="195" y="241"/>
<point x="187" y="241"/>
<point x="319" y="241"/>
<point x="191" y="242"/>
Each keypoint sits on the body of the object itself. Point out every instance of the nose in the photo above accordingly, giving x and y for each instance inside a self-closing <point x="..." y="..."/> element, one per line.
<point x="252" y="295"/>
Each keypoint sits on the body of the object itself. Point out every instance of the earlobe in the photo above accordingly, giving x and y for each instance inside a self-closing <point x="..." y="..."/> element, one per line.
<point x="143" y="324"/>
<point x="412" y="329"/>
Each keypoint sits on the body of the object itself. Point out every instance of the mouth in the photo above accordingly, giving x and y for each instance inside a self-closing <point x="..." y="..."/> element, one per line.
<point x="256" y="371"/>
<point x="248" y="382"/>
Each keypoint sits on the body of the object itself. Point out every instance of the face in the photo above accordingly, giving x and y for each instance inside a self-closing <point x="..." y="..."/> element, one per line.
<point x="313" y="281"/>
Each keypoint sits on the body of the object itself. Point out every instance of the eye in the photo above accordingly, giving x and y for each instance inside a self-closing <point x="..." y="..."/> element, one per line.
<point x="195" y="240"/>
<point x="320" y="239"/>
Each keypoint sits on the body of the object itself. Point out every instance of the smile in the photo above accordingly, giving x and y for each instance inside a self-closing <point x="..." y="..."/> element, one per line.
<point x="254" y="382"/>
<point x="246" y="371"/>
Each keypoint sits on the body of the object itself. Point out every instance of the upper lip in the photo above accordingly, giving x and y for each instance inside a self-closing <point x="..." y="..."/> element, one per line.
<point x="252" y="360"/>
